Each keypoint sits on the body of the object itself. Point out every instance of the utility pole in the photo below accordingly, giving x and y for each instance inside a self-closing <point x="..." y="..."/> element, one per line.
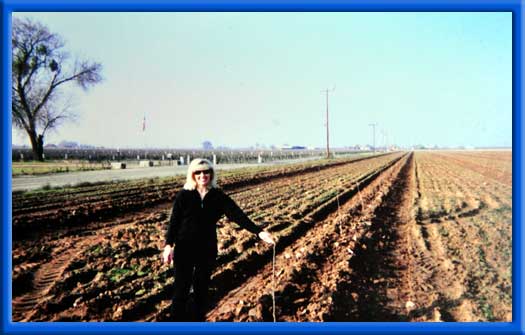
<point x="373" y="125"/>
<point x="144" y="136"/>
<point x="327" y="131"/>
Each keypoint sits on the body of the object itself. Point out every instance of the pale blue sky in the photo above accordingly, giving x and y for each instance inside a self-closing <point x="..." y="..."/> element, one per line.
<point x="238" y="79"/>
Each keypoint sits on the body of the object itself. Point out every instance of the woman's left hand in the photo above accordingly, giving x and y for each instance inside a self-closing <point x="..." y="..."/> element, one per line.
<point x="167" y="255"/>
<point x="266" y="237"/>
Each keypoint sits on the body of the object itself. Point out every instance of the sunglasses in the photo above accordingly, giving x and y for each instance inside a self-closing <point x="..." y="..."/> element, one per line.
<point x="202" y="171"/>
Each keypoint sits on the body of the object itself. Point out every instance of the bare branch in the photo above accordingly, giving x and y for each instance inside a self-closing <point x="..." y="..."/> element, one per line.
<point x="40" y="67"/>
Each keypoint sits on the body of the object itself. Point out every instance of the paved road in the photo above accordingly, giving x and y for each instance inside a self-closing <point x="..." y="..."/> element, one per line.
<point x="73" y="178"/>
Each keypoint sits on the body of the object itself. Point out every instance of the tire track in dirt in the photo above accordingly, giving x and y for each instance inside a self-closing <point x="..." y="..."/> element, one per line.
<point x="49" y="273"/>
<point x="24" y="307"/>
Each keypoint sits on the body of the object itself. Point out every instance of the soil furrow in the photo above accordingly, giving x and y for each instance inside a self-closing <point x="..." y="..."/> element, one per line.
<point x="423" y="237"/>
<point x="140" y="306"/>
<point x="374" y="288"/>
<point x="297" y="267"/>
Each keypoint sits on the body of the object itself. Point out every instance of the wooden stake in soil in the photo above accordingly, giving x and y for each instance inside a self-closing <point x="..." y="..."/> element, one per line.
<point x="338" y="219"/>
<point x="273" y="283"/>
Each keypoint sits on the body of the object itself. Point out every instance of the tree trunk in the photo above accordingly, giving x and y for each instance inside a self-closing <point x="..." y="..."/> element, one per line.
<point x="37" y="145"/>
<point x="40" y="147"/>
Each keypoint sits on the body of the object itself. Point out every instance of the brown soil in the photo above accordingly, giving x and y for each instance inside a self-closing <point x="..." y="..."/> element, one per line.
<point x="369" y="240"/>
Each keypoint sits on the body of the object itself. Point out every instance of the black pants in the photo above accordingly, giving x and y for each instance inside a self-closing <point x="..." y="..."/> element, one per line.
<point x="193" y="267"/>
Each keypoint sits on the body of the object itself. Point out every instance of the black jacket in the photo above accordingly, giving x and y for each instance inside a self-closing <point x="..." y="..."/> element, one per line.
<point x="194" y="220"/>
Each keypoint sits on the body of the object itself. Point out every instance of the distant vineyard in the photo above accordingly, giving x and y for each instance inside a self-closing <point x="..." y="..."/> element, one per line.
<point x="176" y="155"/>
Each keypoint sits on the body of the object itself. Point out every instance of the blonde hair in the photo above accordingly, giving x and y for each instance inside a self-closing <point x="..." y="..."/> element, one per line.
<point x="196" y="165"/>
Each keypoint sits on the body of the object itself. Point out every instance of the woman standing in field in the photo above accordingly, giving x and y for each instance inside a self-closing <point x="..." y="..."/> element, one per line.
<point x="192" y="228"/>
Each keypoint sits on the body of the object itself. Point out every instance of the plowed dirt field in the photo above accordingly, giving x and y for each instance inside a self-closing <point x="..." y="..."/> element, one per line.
<point x="406" y="236"/>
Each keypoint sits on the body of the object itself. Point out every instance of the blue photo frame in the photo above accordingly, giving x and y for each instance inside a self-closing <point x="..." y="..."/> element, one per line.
<point x="517" y="326"/>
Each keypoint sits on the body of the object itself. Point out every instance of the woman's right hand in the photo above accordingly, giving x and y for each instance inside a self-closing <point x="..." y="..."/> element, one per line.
<point x="167" y="255"/>
<point x="266" y="237"/>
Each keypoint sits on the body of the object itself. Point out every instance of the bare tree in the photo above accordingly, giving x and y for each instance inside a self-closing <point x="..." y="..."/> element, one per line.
<point x="40" y="69"/>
